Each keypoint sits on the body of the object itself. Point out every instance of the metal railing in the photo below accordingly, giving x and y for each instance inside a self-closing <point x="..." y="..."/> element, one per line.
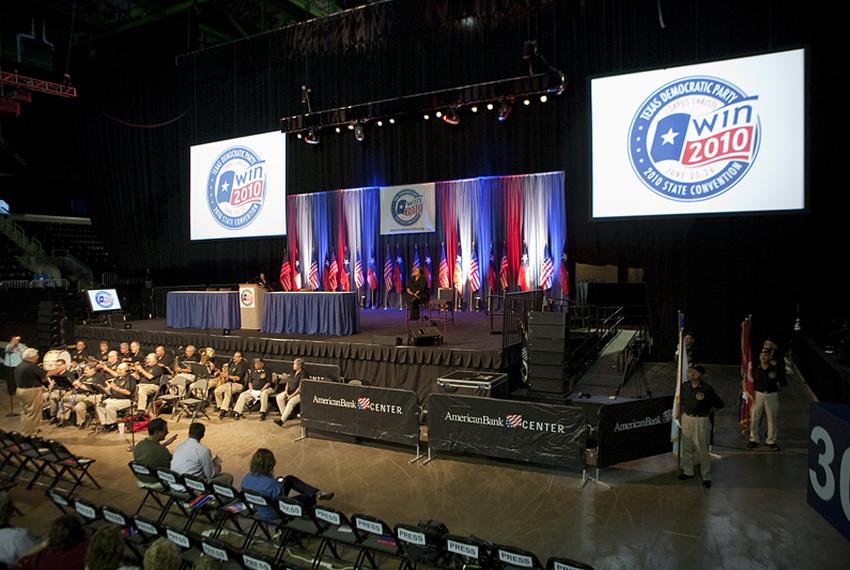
<point x="34" y="284"/>
<point x="515" y="315"/>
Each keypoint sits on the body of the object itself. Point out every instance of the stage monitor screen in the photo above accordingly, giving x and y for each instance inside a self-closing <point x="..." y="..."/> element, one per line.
<point x="713" y="138"/>
<point x="238" y="188"/>
<point x="104" y="300"/>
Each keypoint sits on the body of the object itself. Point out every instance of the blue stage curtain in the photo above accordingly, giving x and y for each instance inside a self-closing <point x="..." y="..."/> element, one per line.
<point x="369" y="228"/>
<point x="322" y="216"/>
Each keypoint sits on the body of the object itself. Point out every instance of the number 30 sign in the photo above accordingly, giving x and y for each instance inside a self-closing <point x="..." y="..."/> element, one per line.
<point x="829" y="464"/>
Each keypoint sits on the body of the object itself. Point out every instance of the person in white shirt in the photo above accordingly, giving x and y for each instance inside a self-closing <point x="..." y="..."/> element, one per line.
<point x="192" y="458"/>
<point x="14" y="541"/>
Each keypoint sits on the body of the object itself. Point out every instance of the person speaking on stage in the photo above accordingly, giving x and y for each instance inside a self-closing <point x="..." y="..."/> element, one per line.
<point x="417" y="292"/>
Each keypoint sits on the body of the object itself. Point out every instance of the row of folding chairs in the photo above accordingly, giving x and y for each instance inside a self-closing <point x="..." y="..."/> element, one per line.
<point x="37" y="461"/>
<point x="309" y="537"/>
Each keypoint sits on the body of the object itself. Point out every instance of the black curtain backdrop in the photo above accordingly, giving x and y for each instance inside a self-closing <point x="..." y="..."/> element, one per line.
<point x="716" y="270"/>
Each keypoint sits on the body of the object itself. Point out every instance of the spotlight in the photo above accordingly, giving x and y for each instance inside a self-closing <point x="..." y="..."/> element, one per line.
<point x="438" y="114"/>
<point x="451" y="118"/>
<point x="298" y="135"/>
<point x="543" y="98"/>
<point x="489" y="106"/>
<point x="474" y="109"/>
<point x="312" y="137"/>
<point x="338" y="130"/>
<point x="504" y="110"/>
<point x="392" y="121"/>
<point x="426" y="116"/>
<point x="350" y="126"/>
<point x="359" y="132"/>
<point x="380" y="123"/>
<point x="526" y="102"/>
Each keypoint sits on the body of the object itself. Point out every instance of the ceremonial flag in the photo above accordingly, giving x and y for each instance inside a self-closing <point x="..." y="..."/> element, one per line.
<point x="504" y="271"/>
<point x="681" y="377"/>
<point x="333" y="277"/>
<point x="416" y="262"/>
<point x="458" y="275"/>
<point x="427" y="266"/>
<point x="372" y="276"/>
<point x="491" y="271"/>
<point x="444" y="268"/>
<point x="326" y="275"/>
<point x="344" y="281"/>
<point x="388" y="270"/>
<point x="564" y="272"/>
<point x="474" y="272"/>
<point x="286" y="274"/>
<point x="358" y="272"/>
<point x="748" y="392"/>
<point x="314" y="280"/>
<point x="297" y="275"/>
<point x="398" y="271"/>
<point x="523" y="277"/>
<point x="547" y="270"/>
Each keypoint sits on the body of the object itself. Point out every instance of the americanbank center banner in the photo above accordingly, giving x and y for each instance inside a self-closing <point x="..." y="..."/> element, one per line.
<point x="408" y="209"/>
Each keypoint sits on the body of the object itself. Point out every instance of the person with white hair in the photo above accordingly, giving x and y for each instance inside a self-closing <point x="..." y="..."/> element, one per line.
<point x="120" y="397"/>
<point x="30" y="389"/>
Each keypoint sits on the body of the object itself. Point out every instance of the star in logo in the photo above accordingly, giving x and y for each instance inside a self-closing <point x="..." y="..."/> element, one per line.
<point x="670" y="136"/>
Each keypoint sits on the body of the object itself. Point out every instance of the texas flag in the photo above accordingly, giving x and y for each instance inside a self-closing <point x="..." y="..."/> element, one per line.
<point x="669" y="137"/>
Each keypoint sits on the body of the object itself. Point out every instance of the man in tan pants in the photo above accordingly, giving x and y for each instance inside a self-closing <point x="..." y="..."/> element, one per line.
<point x="29" y="380"/>
<point x="699" y="401"/>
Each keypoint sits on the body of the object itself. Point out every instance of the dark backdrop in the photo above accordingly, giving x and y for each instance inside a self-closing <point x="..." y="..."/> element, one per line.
<point x="140" y="109"/>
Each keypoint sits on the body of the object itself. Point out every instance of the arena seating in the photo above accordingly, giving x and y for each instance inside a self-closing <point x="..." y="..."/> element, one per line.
<point x="81" y="240"/>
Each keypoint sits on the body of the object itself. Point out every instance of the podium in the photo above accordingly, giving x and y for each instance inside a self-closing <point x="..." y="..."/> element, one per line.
<point x="251" y="305"/>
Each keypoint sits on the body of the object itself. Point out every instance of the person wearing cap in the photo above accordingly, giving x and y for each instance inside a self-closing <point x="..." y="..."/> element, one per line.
<point x="699" y="401"/>
<point x="766" y="382"/>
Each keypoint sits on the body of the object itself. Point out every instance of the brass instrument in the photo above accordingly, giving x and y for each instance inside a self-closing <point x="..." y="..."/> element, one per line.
<point x="207" y="354"/>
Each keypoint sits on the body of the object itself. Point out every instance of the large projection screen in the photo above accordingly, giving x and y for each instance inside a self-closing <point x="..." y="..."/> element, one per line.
<point x="713" y="138"/>
<point x="237" y="188"/>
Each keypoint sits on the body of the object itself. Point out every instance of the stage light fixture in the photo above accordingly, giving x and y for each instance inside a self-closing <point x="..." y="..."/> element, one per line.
<point x="426" y="116"/>
<point x="438" y="114"/>
<point x="526" y="102"/>
<point x="350" y="126"/>
<point x="298" y="135"/>
<point x="359" y="132"/>
<point x="451" y="117"/>
<point x="504" y="111"/>
<point x="489" y="106"/>
<point x="312" y="137"/>
<point x="380" y="123"/>
<point x="543" y="98"/>
<point x="338" y="130"/>
<point x="392" y="121"/>
<point x="474" y="108"/>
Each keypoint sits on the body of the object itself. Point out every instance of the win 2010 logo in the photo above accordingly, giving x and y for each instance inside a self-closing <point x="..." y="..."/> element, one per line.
<point x="695" y="138"/>
<point x="104" y="299"/>
<point x="407" y="206"/>
<point x="236" y="187"/>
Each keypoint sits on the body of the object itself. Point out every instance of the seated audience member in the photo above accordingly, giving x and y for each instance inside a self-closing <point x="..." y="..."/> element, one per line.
<point x="261" y="480"/>
<point x="183" y="372"/>
<point x="259" y="388"/>
<point x="205" y="562"/>
<point x="192" y="458"/>
<point x="57" y="386"/>
<point x="119" y="396"/>
<point x="290" y="396"/>
<point x="150" y="379"/>
<point x="106" y="550"/>
<point x="232" y="382"/>
<point x="151" y="451"/>
<point x="14" y="541"/>
<point x="104" y="351"/>
<point x="85" y="394"/>
<point x="163" y="555"/>
<point x="65" y="547"/>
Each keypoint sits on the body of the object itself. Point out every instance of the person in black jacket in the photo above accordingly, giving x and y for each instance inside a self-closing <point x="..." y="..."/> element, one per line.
<point x="699" y="401"/>
<point x="767" y="379"/>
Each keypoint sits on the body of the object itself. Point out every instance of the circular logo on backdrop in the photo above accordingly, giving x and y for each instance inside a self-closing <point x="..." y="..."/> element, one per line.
<point x="247" y="297"/>
<point x="236" y="187"/>
<point x="104" y="299"/>
<point x="694" y="138"/>
<point x="407" y="207"/>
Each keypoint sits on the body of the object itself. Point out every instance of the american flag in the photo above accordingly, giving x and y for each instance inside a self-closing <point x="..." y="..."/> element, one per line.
<point x="388" y="270"/>
<point x="513" y="420"/>
<point x="522" y="276"/>
<point x="547" y="270"/>
<point x="459" y="271"/>
<point x="427" y="266"/>
<point x="444" y="268"/>
<point x="474" y="272"/>
<point x="333" y="275"/>
<point x="363" y="403"/>
<point x="344" y="281"/>
<point x="504" y="277"/>
<point x="564" y="272"/>
<point x="491" y="271"/>
<point x="358" y="272"/>
<point x="398" y="270"/>
<point x="314" y="281"/>
<point x="416" y="262"/>
<point x="286" y="274"/>
<point x="372" y="275"/>
<point x="297" y="275"/>
<point x="326" y="274"/>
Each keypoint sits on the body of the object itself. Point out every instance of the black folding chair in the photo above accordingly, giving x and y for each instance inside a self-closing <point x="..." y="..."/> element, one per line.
<point x="67" y="466"/>
<point x="90" y="514"/>
<point x="230" y="508"/>
<point x="188" y="546"/>
<point x="337" y="535"/>
<point x="147" y="528"/>
<point x="556" y="563"/>
<point x="135" y="540"/>
<point x="257" y="561"/>
<point x="61" y="500"/>
<point x="419" y="547"/>
<point x="376" y="538"/>
<point x="512" y="558"/>
<point x="298" y="525"/>
<point x="469" y="551"/>
<point x="27" y="452"/>
<point x="226" y="555"/>
<point x="175" y="490"/>
<point x="152" y="489"/>
<point x="256" y="503"/>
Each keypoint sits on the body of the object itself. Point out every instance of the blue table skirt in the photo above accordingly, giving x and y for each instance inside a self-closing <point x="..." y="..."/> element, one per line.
<point x="314" y="313"/>
<point x="203" y="310"/>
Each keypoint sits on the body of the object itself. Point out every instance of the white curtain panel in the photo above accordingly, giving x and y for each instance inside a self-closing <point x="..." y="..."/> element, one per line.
<point x="465" y="191"/>
<point x="304" y="228"/>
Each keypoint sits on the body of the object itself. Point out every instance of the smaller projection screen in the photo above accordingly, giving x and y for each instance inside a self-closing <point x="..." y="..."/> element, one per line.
<point x="237" y="188"/>
<point x="104" y="300"/>
<point x="713" y="138"/>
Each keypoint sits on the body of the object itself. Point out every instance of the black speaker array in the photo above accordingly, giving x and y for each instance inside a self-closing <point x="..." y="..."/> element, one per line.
<point x="548" y="338"/>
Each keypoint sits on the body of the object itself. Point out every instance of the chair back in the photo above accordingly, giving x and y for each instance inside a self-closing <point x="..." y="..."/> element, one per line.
<point x="86" y="510"/>
<point x="116" y="517"/>
<point x="257" y="561"/>
<point x="446" y="294"/>
<point x="62" y="501"/>
<point x="556" y="563"/>
<point x="146" y="526"/>
<point x="178" y="537"/>
<point x="511" y="558"/>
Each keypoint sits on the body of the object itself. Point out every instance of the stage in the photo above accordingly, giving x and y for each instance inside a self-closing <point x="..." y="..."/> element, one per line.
<point x="370" y="355"/>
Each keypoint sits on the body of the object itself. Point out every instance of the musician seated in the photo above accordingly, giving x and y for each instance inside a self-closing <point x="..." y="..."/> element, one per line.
<point x="85" y="394"/>
<point x="124" y="352"/>
<point x="417" y="293"/>
<point x="104" y="351"/>
<point x="259" y="388"/>
<point x="290" y="391"/>
<point x="119" y="396"/>
<point x="164" y="357"/>
<point x="211" y="373"/>
<point x="79" y="355"/>
<point x="136" y="354"/>
<point x="150" y="380"/>
<point x="110" y="367"/>
<point x="58" y="384"/>
<point x="183" y="372"/>
<point x="231" y="381"/>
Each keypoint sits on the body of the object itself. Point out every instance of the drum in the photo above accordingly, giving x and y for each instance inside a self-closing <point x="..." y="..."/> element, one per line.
<point x="51" y="356"/>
